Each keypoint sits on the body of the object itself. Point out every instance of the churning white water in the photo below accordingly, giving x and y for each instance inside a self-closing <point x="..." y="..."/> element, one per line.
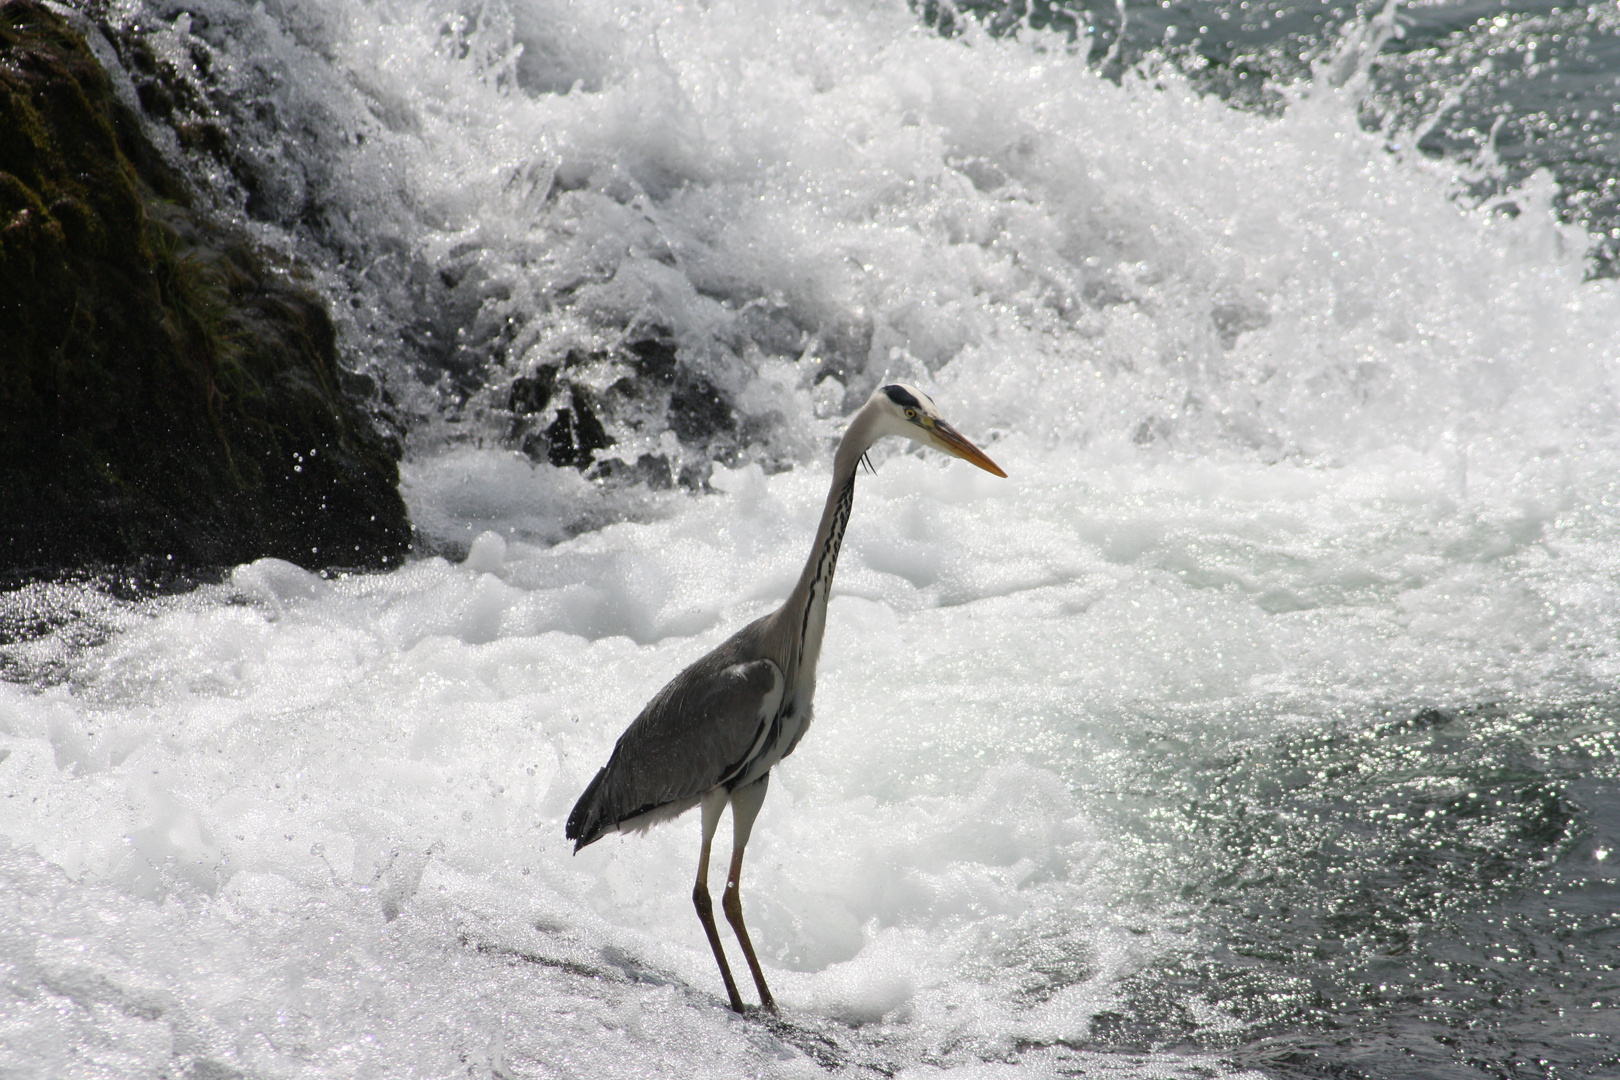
<point x="1295" y="437"/>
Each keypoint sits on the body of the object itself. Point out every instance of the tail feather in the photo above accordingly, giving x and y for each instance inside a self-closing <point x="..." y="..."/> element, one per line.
<point x="585" y="824"/>
<point x="606" y="806"/>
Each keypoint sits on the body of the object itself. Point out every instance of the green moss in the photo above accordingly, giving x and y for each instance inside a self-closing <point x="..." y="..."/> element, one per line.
<point x="166" y="393"/>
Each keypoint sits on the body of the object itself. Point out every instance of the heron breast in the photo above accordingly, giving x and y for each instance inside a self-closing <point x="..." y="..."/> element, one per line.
<point x="791" y="724"/>
<point x="794" y="727"/>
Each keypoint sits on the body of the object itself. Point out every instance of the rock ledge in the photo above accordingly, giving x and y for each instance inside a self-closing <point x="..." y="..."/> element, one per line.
<point x="170" y="400"/>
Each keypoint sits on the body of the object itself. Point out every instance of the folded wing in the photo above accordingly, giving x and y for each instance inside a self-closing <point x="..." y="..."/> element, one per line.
<point x="698" y="732"/>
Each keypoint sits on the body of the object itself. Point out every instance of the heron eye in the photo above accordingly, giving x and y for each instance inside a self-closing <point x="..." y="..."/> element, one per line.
<point x="911" y="414"/>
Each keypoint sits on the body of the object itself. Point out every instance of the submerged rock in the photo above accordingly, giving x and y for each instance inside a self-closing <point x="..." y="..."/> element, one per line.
<point x="558" y="411"/>
<point x="169" y="397"/>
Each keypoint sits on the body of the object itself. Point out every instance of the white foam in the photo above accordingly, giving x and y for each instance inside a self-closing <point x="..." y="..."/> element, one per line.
<point x="1080" y="260"/>
<point x="301" y="827"/>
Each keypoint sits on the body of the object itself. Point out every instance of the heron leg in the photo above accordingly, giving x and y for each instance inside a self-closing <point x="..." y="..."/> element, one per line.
<point x="745" y="804"/>
<point x="713" y="805"/>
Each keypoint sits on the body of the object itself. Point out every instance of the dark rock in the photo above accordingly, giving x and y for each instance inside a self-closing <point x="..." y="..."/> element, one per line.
<point x="168" y="396"/>
<point x="559" y="416"/>
<point x="576" y="434"/>
<point x="698" y="411"/>
<point x="654" y="359"/>
<point x="530" y="394"/>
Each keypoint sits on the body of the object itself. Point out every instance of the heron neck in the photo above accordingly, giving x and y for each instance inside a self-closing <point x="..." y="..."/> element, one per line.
<point x="808" y="603"/>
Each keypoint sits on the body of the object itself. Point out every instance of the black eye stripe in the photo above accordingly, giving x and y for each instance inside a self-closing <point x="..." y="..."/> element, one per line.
<point x="901" y="396"/>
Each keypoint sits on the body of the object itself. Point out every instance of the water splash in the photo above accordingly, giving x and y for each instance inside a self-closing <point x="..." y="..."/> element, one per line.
<point x="1310" y="532"/>
<point x="639" y="241"/>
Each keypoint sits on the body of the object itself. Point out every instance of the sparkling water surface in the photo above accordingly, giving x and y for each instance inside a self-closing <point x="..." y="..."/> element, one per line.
<point x="1264" y="722"/>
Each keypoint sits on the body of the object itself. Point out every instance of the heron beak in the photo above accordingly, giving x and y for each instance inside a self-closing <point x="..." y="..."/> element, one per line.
<point x="952" y="442"/>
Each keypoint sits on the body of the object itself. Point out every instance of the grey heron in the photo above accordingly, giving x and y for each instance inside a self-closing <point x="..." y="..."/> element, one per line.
<point x="710" y="737"/>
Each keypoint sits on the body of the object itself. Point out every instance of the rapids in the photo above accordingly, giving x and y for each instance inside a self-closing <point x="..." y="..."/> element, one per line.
<point x="1262" y="723"/>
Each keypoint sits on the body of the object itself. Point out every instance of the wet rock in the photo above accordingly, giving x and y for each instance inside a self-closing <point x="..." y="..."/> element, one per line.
<point x="171" y="398"/>
<point x="698" y="411"/>
<point x="575" y="435"/>
<point x="559" y="416"/>
<point x="571" y="433"/>
<point x="530" y="394"/>
<point x="655" y="359"/>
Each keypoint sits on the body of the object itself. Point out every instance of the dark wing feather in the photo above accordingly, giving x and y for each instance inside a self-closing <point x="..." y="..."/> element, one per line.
<point x="696" y="733"/>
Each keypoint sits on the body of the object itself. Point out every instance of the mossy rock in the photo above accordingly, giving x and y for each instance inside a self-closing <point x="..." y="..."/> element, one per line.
<point x="169" y="397"/>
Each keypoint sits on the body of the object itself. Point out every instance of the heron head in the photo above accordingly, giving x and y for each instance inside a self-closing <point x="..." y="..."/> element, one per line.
<point x="908" y="412"/>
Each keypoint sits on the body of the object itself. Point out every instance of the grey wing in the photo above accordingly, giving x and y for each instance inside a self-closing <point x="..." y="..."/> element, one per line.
<point x="698" y="732"/>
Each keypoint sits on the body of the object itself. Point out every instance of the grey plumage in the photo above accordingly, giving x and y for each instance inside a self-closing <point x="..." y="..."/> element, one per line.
<point x="711" y="736"/>
<point x="700" y="731"/>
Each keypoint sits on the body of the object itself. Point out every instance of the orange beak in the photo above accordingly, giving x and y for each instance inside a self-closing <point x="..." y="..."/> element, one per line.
<point x="952" y="442"/>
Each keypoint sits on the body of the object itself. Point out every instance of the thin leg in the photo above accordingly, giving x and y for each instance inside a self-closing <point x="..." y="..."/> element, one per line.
<point x="745" y="804"/>
<point x="714" y="803"/>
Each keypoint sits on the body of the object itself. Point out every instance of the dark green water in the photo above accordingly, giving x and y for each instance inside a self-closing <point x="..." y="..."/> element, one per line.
<point x="1432" y="896"/>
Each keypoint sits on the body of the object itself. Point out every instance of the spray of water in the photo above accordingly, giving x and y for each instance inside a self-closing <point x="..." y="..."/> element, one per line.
<point x="1297" y="438"/>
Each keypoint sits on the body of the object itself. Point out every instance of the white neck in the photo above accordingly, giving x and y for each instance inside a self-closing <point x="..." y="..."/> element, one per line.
<point x="806" y="609"/>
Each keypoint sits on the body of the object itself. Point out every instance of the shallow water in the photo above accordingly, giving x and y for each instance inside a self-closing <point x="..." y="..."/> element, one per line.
<point x="1263" y="721"/>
